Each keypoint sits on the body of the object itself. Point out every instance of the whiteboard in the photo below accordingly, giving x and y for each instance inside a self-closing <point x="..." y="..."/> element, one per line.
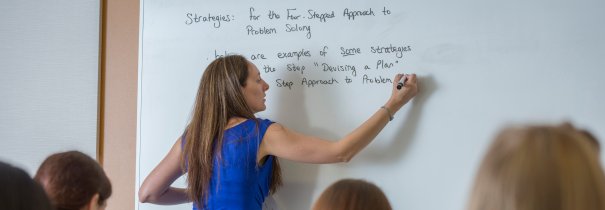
<point x="482" y="65"/>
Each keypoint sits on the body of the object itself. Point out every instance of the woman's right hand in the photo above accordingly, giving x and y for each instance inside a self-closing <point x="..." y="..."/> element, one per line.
<point x="400" y="97"/>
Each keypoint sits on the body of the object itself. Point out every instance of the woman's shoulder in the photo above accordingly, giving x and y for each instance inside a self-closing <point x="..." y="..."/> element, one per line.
<point x="264" y="121"/>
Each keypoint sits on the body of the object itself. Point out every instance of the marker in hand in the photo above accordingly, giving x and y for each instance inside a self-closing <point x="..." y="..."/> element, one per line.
<point x="402" y="81"/>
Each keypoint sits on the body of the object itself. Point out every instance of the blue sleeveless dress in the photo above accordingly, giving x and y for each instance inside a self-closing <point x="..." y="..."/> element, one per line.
<point x="237" y="182"/>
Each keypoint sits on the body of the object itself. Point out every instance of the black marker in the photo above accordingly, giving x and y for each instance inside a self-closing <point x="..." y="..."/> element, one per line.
<point x="401" y="82"/>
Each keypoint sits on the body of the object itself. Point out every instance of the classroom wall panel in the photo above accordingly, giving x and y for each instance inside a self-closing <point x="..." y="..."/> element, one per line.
<point x="49" y="66"/>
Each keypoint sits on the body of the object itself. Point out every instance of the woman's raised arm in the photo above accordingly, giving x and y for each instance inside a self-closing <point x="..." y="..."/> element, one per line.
<point x="285" y="143"/>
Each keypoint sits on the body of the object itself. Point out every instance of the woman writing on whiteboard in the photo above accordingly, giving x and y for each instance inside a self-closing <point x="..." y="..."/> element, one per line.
<point x="230" y="156"/>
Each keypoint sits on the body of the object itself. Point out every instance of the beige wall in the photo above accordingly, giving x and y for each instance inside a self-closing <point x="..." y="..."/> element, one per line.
<point x="119" y="60"/>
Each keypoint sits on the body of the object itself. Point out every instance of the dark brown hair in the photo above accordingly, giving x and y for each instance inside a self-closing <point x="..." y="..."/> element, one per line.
<point x="18" y="191"/>
<point x="540" y="167"/>
<point x="71" y="179"/>
<point x="352" y="194"/>
<point x="219" y="98"/>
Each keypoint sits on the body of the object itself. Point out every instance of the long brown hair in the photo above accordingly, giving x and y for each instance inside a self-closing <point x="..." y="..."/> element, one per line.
<point x="219" y="98"/>
<point x="540" y="167"/>
<point x="352" y="194"/>
<point x="71" y="179"/>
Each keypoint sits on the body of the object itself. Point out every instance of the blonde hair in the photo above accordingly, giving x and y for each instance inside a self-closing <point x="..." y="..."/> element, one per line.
<point x="540" y="168"/>
<point x="352" y="194"/>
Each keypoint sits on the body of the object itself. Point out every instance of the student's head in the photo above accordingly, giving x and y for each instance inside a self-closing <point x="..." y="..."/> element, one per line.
<point x="589" y="137"/>
<point x="352" y="194"/>
<point x="540" y="167"/>
<point x="74" y="181"/>
<point x="18" y="191"/>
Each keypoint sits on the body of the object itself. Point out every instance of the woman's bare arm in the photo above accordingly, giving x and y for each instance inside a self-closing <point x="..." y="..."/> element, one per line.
<point x="156" y="187"/>
<point x="285" y="143"/>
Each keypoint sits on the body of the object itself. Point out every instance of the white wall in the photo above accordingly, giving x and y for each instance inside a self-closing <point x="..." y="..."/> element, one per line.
<point x="49" y="61"/>
<point x="482" y="65"/>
